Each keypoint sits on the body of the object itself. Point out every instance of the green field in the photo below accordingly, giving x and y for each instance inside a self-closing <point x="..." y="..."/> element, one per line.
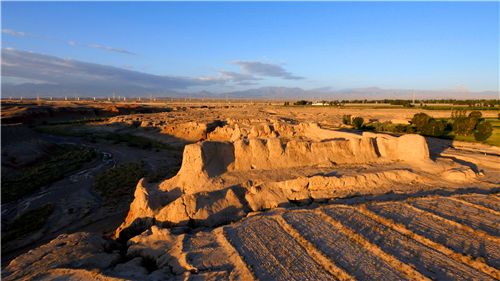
<point x="494" y="139"/>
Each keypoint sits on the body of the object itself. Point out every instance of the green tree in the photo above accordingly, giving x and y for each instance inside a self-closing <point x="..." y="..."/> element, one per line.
<point x="302" y="102"/>
<point x="483" y="131"/>
<point x="464" y="126"/>
<point x="433" y="128"/>
<point x="419" y="120"/>
<point x="358" y="122"/>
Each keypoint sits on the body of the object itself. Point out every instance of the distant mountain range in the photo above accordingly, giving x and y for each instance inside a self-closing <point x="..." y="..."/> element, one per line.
<point x="282" y="93"/>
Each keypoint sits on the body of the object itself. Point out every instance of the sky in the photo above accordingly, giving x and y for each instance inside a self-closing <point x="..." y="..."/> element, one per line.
<point x="228" y="46"/>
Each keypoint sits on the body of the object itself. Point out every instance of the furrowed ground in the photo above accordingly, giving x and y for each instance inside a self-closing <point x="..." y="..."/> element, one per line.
<point x="382" y="240"/>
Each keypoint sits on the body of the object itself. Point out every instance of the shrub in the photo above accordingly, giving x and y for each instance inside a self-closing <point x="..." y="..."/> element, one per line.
<point x="476" y="114"/>
<point x="464" y="126"/>
<point x="419" y="120"/>
<point x="433" y="128"/>
<point x="484" y="131"/>
<point x="358" y="122"/>
<point x="287" y="103"/>
<point x="346" y="119"/>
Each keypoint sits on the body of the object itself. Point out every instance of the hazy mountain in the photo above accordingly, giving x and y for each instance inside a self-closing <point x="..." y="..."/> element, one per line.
<point x="46" y="90"/>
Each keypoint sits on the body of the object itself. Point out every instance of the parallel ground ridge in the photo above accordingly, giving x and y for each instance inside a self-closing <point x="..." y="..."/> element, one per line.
<point x="461" y="238"/>
<point x="478" y="265"/>
<point x="316" y="254"/>
<point x="427" y="260"/>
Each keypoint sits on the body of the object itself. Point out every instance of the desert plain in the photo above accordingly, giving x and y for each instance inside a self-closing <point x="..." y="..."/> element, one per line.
<point x="232" y="190"/>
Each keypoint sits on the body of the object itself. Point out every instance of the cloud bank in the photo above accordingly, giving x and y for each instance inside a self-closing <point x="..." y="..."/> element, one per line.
<point x="29" y="73"/>
<point x="88" y="78"/>
<point x="266" y="69"/>
<point x="72" y="43"/>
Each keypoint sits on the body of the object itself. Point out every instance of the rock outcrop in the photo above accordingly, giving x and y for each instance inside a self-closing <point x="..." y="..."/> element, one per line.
<point x="71" y="251"/>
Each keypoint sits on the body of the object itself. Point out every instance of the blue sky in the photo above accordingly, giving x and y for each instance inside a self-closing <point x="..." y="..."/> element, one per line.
<point x="228" y="46"/>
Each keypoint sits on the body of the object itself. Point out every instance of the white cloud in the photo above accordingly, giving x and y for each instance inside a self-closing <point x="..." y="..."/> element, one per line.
<point x="265" y="69"/>
<point x="87" y="77"/>
<point x="13" y="32"/>
<point x="109" y="49"/>
<point x="230" y="76"/>
<point x="72" y="43"/>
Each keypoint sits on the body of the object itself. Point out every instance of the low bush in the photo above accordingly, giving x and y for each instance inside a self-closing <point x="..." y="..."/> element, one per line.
<point x="358" y="122"/>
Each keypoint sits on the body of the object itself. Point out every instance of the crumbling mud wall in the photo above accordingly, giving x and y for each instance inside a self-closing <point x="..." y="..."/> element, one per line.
<point x="217" y="182"/>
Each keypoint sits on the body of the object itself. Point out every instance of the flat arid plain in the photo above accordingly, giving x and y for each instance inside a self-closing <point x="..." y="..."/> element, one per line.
<point x="231" y="190"/>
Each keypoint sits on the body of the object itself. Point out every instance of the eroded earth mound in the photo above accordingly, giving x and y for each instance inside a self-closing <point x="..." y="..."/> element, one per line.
<point x="274" y="199"/>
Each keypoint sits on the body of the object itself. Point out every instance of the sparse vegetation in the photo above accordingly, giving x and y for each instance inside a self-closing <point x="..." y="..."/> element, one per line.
<point x="117" y="138"/>
<point x="118" y="183"/>
<point x="64" y="159"/>
<point x="28" y="222"/>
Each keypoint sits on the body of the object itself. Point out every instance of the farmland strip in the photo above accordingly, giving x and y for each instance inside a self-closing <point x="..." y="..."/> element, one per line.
<point x="457" y="237"/>
<point x="488" y="201"/>
<point x="241" y="269"/>
<point x="313" y="251"/>
<point x="427" y="261"/>
<point x="343" y="249"/>
<point x="272" y="253"/>
<point x="462" y="213"/>
<point x="474" y="205"/>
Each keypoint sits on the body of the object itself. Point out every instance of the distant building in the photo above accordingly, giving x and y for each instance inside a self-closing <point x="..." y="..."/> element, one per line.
<point x="320" y="103"/>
